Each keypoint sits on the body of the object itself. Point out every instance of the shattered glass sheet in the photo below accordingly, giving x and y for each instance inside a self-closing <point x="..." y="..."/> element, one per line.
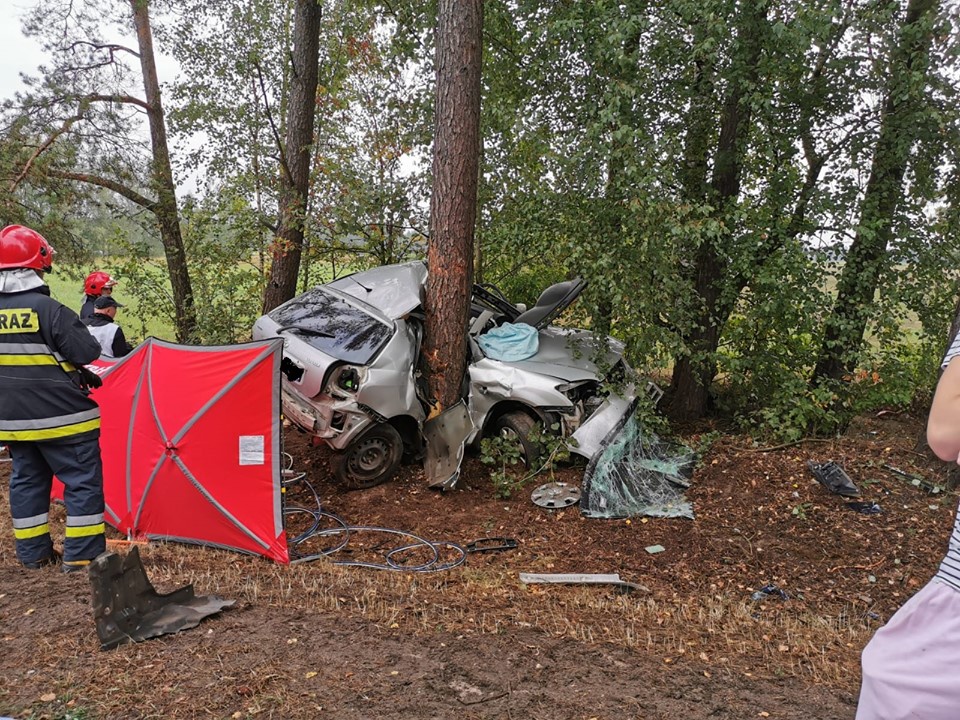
<point x="636" y="473"/>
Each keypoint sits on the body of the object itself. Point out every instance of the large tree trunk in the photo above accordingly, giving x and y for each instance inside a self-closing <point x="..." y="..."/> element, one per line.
<point x="867" y="258"/>
<point x="695" y="369"/>
<point x="453" y="202"/>
<point x="295" y="157"/>
<point x="165" y="208"/>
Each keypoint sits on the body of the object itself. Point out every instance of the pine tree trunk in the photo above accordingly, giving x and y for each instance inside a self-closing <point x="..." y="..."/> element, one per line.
<point x="453" y="202"/>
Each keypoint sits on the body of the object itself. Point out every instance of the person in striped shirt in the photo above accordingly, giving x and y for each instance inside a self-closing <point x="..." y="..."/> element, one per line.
<point x="910" y="665"/>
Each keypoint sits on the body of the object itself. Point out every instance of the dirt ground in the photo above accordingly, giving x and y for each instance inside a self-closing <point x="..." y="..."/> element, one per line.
<point x="315" y="639"/>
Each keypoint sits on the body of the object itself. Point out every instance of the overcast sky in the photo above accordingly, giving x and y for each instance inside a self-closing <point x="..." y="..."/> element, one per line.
<point x="19" y="54"/>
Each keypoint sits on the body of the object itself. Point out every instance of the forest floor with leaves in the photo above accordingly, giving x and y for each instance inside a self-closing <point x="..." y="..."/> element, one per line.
<point x="315" y="639"/>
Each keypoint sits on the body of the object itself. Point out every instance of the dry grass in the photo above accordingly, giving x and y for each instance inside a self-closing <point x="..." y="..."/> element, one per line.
<point x="725" y="633"/>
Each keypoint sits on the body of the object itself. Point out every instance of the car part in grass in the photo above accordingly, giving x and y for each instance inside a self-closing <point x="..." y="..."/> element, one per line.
<point x="369" y="460"/>
<point x="491" y="544"/>
<point x="126" y="607"/>
<point x="582" y="579"/>
<point x="555" y="495"/>
<point x="833" y="478"/>
<point x="635" y="473"/>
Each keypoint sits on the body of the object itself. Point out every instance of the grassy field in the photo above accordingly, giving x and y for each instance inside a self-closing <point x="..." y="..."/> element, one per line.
<point x="137" y="322"/>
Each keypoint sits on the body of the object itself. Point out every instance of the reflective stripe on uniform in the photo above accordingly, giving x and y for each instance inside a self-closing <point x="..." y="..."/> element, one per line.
<point x="49" y="433"/>
<point x="84" y="525"/>
<point x="49" y="422"/>
<point x="31" y="527"/>
<point x="78" y="520"/>
<point x="84" y="531"/>
<point x="28" y="360"/>
<point x="21" y="523"/>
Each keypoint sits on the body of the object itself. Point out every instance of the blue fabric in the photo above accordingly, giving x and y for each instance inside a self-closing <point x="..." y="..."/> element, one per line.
<point x="510" y="342"/>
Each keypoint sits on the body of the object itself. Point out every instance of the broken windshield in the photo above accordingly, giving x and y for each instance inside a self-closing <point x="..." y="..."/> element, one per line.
<point x="334" y="326"/>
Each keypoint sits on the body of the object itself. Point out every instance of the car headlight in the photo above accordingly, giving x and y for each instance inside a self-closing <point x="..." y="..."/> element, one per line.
<point x="346" y="379"/>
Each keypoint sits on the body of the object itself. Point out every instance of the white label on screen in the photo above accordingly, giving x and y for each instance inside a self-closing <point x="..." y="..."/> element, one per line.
<point x="251" y="449"/>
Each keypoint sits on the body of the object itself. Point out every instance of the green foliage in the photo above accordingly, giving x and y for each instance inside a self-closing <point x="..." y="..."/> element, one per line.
<point x="505" y="454"/>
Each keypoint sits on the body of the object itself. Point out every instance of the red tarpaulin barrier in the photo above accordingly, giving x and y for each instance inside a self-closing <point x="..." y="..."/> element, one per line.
<point x="190" y="439"/>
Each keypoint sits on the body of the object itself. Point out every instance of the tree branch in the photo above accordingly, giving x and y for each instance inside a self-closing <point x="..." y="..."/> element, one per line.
<point x="67" y="124"/>
<point x="120" y="189"/>
<point x="273" y="127"/>
<point x="111" y="47"/>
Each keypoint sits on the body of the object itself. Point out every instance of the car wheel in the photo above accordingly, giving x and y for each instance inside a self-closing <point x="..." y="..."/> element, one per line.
<point x="369" y="460"/>
<point x="517" y="427"/>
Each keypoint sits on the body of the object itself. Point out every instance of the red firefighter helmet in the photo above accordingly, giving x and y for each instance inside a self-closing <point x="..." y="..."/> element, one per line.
<point x="96" y="282"/>
<point x="21" y="247"/>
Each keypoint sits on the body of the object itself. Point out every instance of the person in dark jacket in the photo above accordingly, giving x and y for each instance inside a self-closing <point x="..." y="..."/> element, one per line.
<point x="105" y="330"/>
<point x="47" y="418"/>
<point x="97" y="284"/>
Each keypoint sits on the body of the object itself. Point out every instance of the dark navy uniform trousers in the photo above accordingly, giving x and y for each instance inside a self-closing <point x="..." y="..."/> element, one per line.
<point x="76" y="463"/>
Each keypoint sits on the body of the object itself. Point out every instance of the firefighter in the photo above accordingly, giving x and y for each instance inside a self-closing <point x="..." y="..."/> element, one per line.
<point x="103" y="327"/>
<point x="98" y="283"/>
<point x="47" y="419"/>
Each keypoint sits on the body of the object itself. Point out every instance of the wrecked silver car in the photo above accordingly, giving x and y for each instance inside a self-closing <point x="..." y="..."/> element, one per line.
<point x="353" y="376"/>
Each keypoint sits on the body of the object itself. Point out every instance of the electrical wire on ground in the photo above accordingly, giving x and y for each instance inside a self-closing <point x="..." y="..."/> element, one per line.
<point x="342" y="532"/>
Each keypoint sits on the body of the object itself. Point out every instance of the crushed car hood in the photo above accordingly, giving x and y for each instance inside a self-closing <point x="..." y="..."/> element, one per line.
<point x="567" y="355"/>
<point x="394" y="290"/>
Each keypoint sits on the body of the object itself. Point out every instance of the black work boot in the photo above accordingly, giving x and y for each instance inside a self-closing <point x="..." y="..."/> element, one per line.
<point x="51" y="559"/>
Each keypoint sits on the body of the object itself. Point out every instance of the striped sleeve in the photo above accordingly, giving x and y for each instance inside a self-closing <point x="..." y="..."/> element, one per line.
<point x="952" y="352"/>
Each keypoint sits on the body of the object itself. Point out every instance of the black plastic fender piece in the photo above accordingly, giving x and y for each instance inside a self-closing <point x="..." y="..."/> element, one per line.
<point x="126" y="608"/>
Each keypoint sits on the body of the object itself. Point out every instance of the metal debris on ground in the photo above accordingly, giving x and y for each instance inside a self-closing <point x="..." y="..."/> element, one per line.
<point x="126" y="608"/>
<point x="490" y="544"/>
<point x="581" y="579"/>
<point x="864" y="508"/>
<point x="915" y="480"/>
<point x="556" y="495"/>
<point x="834" y="478"/>
<point x="768" y="591"/>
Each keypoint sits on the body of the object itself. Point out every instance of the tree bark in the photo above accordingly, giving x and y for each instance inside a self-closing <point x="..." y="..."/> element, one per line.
<point x="695" y="369"/>
<point x="867" y="258"/>
<point x="295" y="157"/>
<point x="165" y="207"/>
<point x="453" y="202"/>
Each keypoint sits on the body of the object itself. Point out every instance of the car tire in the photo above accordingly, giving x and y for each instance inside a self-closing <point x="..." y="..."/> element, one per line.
<point x="519" y="426"/>
<point x="369" y="460"/>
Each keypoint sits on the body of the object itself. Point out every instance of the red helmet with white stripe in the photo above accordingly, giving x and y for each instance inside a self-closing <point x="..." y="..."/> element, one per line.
<point x="96" y="282"/>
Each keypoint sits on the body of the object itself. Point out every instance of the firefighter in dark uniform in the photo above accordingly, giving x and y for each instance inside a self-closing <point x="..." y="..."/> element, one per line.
<point x="97" y="284"/>
<point x="47" y="419"/>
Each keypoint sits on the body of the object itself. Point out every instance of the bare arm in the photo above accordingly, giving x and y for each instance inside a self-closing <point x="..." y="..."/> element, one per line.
<point x="943" y="425"/>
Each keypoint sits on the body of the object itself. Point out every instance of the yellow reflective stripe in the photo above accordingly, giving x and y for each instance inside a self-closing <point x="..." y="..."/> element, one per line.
<point x="50" y="433"/>
<point x="27" y="533"/>
<point x="29" y="360"/>
<point x="68" y="367"/>
<point x="85" y="530"/>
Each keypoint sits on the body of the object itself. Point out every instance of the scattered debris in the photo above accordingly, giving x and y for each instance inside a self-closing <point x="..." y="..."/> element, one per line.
<point x="126" y="608"/>
<point x="864" y="508"/>
<point x="581" y="579"/>
<point x="654" y="549"/>
<point x="637" y="473"/>
<point x="556" y="495"/>
<point x="769" y="591"/>
<point x="489" y="544"/>
<point x="833" y="478"/>
<point x="915" y="480"/>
